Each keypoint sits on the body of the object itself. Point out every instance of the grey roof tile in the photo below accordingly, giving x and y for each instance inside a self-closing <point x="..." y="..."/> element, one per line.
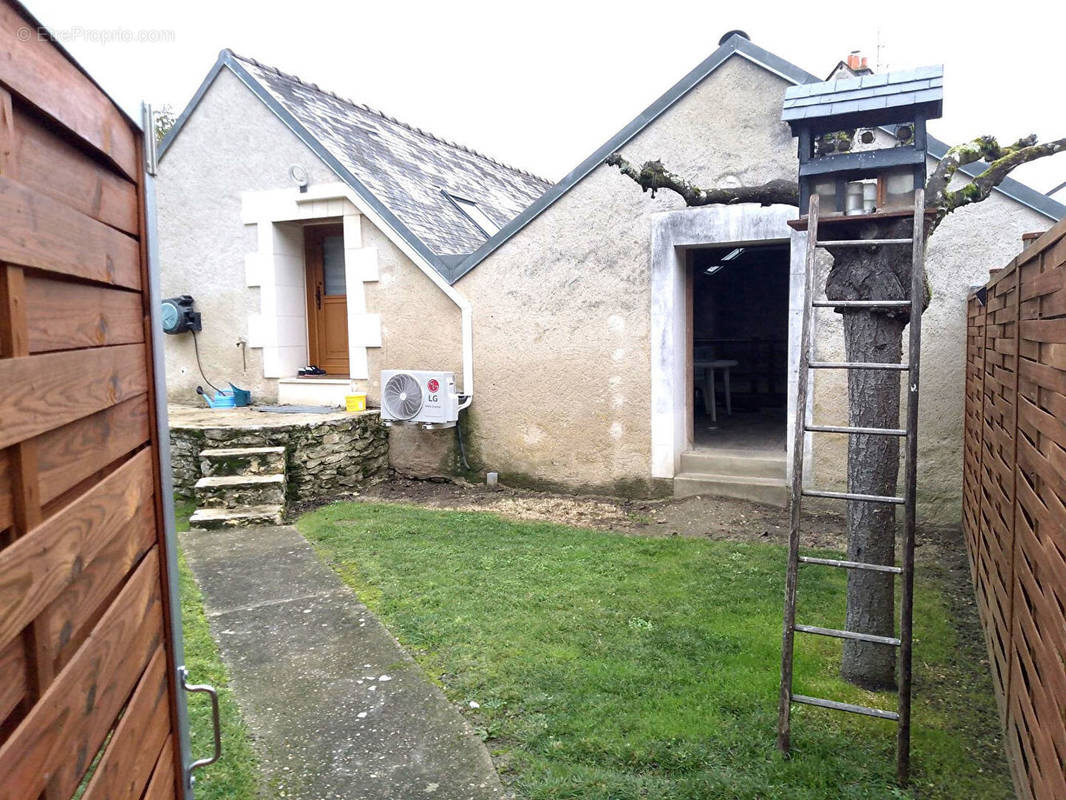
<point x="404" y="167"/>
<point x="932" y="71"/>
<point x="847" y="107"/>
<point x="847" y="95"/>
<point x="928" y="96"/>
<point x="872" y="103"/>
<point x="874" y="80"/>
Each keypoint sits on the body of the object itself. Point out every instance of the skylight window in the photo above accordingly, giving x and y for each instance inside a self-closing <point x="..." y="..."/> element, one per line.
<point x="475" y="214"/>
<point x="727" y="257"/>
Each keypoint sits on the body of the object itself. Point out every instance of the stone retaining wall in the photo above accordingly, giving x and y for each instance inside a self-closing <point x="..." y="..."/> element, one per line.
<point x="323" y="459"/>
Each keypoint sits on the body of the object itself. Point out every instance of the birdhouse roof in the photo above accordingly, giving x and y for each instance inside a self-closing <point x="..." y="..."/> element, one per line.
<point x="867" y="100"/>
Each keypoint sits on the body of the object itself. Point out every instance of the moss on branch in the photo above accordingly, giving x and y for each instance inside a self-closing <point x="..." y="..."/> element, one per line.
<point x="1001" y="162"/>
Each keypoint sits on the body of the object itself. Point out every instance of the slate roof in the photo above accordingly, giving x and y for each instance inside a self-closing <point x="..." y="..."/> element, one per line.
<point x="922" y="87"/>
<point x="454" y="266"/>
<point x="405" y="167"/>
<point x="734" y="46"/>
<point x="403" y="171"/>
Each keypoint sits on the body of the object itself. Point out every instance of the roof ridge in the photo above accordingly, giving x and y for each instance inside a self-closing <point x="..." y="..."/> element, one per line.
<point x="394" y="120"/>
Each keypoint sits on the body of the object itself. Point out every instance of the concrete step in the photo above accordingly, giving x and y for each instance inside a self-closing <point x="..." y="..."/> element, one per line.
<point x="737" y="463"/>
<point x="771" y="491"/>
<point x="252" y="516"/>
<point x="314" y="391"/>
<point x="240" y="491"/>
<point x="242" y="461"/>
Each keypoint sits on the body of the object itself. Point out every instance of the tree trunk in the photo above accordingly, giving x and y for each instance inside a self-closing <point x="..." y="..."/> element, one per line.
<point x="881" y="273"/>
<point x="873" y="468"/>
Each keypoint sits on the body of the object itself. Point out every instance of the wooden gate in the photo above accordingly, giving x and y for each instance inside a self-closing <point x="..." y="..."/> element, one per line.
<point x="1014" y="502"/>
<point x="88" y="690"/>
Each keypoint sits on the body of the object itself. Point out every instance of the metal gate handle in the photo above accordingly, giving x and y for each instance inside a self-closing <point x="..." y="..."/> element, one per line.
<point x="211" y="692"/>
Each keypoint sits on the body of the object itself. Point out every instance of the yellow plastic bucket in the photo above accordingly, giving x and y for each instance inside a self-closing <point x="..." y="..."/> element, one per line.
<point x="355" y="402"/>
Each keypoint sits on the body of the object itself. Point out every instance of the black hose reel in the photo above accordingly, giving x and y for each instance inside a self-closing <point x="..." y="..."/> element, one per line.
<point x="178" y="315"/>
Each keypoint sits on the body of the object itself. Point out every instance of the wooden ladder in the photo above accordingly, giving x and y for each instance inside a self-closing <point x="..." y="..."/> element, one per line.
<point x="902" y="715"/>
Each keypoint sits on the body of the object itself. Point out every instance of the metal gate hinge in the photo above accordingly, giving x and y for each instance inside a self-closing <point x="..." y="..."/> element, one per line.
<point x="151" y="154"/>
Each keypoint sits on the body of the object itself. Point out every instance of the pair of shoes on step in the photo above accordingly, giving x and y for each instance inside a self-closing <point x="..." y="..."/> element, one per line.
<point x="309" y="370"/>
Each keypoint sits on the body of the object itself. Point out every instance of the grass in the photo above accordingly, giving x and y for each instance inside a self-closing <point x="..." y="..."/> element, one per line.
<point x="610" y="666"/>
<point x="235" y="776"/>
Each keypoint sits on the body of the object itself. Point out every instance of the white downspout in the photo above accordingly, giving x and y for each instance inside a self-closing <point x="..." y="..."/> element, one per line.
<point x="467" y="326"/>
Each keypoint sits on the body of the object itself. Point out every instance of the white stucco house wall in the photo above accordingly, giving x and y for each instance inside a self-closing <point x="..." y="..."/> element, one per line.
<point x="259" y="158"/>
<point x="570" y="324"/>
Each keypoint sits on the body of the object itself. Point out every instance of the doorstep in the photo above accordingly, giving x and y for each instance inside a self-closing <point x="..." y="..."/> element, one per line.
<point x="316" y="390"/>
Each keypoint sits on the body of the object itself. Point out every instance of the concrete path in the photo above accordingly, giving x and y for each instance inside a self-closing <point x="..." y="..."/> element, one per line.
<point x="337" y="708"/>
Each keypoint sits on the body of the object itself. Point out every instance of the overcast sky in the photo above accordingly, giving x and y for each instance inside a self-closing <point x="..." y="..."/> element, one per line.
<point x="542" y="84"/>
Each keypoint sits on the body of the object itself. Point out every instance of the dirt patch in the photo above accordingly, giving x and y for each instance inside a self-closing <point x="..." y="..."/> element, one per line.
<point x="695" y="517"/>
<point x="700" y="517"/>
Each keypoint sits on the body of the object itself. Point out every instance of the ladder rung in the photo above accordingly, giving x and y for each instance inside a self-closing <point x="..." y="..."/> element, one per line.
<point x="850" y="429"/>
<point x="854" y="709"/>
<point x="861" y="303"/>
<point x="858" y="637"/>
<point x="871" y="498"/>
<point x="833" y="562"/>
<point x="856" y="365"/>
<point x="861" y="242"/>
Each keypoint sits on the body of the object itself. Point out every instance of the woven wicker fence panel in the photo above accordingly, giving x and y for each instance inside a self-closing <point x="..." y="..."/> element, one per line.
<point x="973" y="419"/>
<point x="1014" y="502"/>
<point x="997" y="469"/>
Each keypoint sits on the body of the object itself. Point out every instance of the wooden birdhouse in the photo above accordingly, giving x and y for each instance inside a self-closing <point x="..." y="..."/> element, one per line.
<point x="862" y="141"/>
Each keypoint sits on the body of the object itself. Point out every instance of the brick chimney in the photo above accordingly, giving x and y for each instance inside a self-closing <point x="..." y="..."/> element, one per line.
<point x="853" y="66"/>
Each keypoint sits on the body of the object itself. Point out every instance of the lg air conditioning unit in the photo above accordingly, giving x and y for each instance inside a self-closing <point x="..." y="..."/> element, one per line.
<point x="419" y="397"/>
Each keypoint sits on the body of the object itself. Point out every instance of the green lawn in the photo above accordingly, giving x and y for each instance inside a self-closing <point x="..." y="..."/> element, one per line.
<point x="235" y="775"/>
<point x="610" y="666"/>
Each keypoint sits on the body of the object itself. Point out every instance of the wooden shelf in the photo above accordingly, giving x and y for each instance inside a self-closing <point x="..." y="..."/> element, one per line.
<point x="829" y="220"/>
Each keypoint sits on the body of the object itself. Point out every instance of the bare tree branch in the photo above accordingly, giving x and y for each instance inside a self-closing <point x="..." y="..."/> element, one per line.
<point x="1003" y="162"/>
<point x="652" y="176"/>
<point x="983" y="148"/>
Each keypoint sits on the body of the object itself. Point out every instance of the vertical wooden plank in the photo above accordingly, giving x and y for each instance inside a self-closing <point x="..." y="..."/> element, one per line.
<point x="1012" y="544"/>
<point x="25" y="489"/>
<point x="14" y="338"/>
<point x="14" y="343"/>
<point x="7" y="134"/>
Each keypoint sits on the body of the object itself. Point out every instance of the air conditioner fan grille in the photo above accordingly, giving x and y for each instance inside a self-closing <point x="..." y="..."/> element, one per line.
<point x="402" y="396"/>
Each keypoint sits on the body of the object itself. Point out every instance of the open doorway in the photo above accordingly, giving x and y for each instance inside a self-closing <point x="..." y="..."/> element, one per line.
<point x="739" y="340"/>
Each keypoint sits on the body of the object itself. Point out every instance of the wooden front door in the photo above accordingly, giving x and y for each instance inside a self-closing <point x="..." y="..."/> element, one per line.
<point x="327" y="298"/>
